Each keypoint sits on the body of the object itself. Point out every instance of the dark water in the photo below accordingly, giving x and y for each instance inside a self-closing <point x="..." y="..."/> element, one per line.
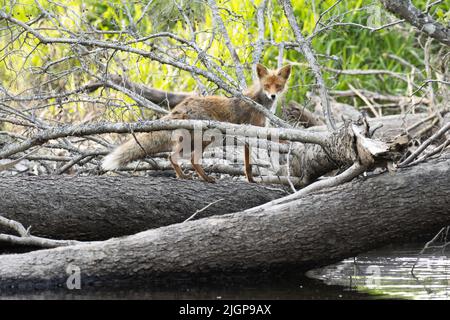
<point x="379" y="274"/>
<point x="298" y="288"/>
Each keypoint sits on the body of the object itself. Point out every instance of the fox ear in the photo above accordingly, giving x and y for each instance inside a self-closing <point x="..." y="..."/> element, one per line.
<point x="285" y="71"/>
<point x="261" y="71"/>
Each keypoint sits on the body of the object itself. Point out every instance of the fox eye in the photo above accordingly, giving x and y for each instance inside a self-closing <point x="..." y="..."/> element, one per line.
<point x="279" y="87"/>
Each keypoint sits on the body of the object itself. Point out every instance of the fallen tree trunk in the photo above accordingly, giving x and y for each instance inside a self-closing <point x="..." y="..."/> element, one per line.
<point x="321" y="228"/>
<point x="98" y="208"/>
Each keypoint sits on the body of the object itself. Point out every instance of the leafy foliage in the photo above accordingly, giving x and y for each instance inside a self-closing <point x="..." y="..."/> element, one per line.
<point x="349" y="47"/>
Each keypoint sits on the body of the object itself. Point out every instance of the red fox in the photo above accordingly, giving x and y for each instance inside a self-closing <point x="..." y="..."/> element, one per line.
<point x="270" y="84"/>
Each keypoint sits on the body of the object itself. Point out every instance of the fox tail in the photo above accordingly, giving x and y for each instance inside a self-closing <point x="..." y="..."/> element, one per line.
<point x="137" y="148"/>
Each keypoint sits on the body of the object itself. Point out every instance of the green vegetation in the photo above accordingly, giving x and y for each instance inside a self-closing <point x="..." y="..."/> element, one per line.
<point x="396" y="49"/>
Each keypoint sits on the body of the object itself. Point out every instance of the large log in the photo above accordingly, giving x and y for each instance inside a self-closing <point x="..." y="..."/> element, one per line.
<point x="98" y="208"/>
<point x="319" y="229"/>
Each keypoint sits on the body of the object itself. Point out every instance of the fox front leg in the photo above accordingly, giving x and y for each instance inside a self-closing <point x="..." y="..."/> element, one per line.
<point x="247" y="165"/>
<point x="195" y="157"/>
<point x="173" y="158"/>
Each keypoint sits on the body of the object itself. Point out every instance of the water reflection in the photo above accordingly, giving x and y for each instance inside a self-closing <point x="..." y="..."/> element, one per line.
<point x="393" y="273"/>
<point x="379" y="274"/>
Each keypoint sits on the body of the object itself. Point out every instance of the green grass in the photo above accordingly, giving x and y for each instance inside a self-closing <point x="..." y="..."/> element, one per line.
<point x="354" y="48"/>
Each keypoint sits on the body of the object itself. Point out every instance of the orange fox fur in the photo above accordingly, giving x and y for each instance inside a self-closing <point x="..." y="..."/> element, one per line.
<point x="271" y="84"/>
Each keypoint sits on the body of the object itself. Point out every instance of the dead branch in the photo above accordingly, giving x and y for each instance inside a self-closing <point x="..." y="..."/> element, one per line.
<point x="259" y="45"/>
<point x="25" y="238"/>
<point x="424" y="145"/>
<point x="147" y="126"/>
<point x="146" y="54"/>
<point x="161" y="98"/>
<point x="422" y="21"/>
<point x="306" y="50"/>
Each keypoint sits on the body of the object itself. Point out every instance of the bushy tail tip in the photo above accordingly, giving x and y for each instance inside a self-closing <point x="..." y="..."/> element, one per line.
<point x="110" y="162"/>
<point x="153" y="142"/>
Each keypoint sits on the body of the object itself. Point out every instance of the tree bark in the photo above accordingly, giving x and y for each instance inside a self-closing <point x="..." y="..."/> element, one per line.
<point x="321" y="228"/>
<point x="98" y="208"/>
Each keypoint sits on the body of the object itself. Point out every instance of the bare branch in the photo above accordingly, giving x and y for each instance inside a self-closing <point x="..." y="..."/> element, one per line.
<point x="202" y="209"/>
<point x="306" y="50"/>
<point x="27" y="239"/>
<point x="355" y="170"/>
<point x="234" y="56"/>
<point x="259" y="45"/>
<point x="147" y="126"/>
<point x="423" y="146"/>
<point x="423" y="21"/>
<point x="164" y="98"/>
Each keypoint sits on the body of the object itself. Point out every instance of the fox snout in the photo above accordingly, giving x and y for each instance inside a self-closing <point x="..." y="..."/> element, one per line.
<point x="271" y="95"/>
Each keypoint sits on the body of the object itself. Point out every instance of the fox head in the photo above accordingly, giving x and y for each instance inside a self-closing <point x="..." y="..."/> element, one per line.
<point x="273" y="82"/>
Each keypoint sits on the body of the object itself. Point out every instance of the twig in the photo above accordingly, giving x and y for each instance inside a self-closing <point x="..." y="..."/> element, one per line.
<point x="423" y="146"/>
<point x="203" y="209"/>
<point x="424" y="83"/>
<point x="427" y="245"/>
<point x="9" y="165"/>
<point x="430" y="5"/>
<point x="324" y="13"/>
<point x="419" y="123"/>
<point x="438" y="149"/>
<point x="74" y="161"/>
<point x="355" y="170"/>
<point x="427" y="128"/>
<point x="358" y="25"/>
<point x="29" y="240"/>
<point x="359" y="94"/>
<point x="14" y="225"/>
